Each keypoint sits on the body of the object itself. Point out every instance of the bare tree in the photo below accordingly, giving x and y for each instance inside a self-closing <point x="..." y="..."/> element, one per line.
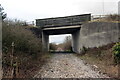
<point x="2" y="13"/>
<point x="67" y="43"/>
<point x="53" y="46"/>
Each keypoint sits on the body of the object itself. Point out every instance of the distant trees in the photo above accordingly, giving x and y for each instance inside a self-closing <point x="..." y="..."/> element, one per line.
<point x="113" y="17"/>
<point x="53" y="46"/>
<point x="15" y="22"/>
<point x="2" y="13"/>
<point x="67" y="43"/>
<point x="12" y="22"/>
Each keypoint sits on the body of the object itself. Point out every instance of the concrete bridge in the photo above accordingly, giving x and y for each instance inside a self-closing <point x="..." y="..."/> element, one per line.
<point x="84" y="32"/>
<point x="62" y="25"/>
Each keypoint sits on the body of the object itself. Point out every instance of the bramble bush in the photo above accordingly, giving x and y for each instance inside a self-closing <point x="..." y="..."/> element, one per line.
<point x="116" y="51"/>
<point x="26" y="44"/>
<point x="25" y="41"/>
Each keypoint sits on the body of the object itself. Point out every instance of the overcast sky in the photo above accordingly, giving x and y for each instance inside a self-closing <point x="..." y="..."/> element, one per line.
<point x="30" y="10"/>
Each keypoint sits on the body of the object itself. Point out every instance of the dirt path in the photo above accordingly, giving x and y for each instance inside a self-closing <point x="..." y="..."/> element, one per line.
<point x="67" y="66"/>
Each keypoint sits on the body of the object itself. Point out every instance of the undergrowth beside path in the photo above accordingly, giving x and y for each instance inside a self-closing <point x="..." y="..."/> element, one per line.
<point x="102" y="59"/>
<point x="29" y="67"/>
<point x="22" y="52"/>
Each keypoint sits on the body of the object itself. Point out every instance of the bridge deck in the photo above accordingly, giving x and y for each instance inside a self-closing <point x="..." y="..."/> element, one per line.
<point x="63" y="21"/>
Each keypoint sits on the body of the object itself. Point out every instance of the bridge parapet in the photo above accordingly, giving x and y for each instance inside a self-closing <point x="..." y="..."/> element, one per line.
<point x="63" y="21"/>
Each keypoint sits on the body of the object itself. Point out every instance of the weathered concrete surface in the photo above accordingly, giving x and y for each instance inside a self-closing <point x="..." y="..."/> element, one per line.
<point x="45" y="42"/>
<point x="74" y="30"/>
<point x="63" y="21"/>
<point x="96" y="34"/>
<point x="61" y="30"/>
<point x="76" y="41"/>
<point x="62" y="25"/>
<point x="90" y="35"/>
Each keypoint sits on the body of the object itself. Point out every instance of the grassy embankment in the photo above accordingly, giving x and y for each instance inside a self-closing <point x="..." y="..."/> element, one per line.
<point x="103" y="56"/>
<point x="115" y="18"/>
<point x="26" y="52"/>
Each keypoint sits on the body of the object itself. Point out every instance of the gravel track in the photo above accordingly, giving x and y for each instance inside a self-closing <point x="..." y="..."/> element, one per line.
<point x="67" y="66"/>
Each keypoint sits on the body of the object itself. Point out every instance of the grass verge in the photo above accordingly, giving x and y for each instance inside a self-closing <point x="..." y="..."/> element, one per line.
<point x="29" y="67"/>
<point x="103" y="58"/>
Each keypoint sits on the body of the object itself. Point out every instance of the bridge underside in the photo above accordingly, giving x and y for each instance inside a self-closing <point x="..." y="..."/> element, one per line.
<point x="62" y="25"/>
<point x="61" y="30"/>
<point x="74" y="30"/>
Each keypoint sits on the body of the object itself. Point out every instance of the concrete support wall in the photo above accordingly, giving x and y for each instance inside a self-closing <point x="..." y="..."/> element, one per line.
<point x="97" y="34"/>
<point x="94" y="34"/>
<point x="76" y="41"/>
<point x="45" y="42"/>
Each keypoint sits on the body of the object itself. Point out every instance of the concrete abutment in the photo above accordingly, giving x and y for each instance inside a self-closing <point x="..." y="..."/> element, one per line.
<point x="76" y="41"/>
<point x="45" y="42"/>
<point x="89" y="35"/>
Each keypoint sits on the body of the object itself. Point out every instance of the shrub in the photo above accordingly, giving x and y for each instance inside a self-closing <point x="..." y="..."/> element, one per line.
<point x="113" y="17"/>
<point x="83" y="50"/>
<point x="53" y="46"/>
<point x="25" y="40"/>
<point x="67" y="43"/>
<point x="116" y="51"/>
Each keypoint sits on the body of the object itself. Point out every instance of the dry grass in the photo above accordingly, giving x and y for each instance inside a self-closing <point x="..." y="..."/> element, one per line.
<point x="115" y="18"/>
<point x="27" y="49"/>
<point x="102" y="20"/>
<point x="29" y="67"/>
<point x="103" y="58"/>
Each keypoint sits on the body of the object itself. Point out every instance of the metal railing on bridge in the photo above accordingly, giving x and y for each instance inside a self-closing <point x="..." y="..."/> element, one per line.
<point x="93" y="17"/>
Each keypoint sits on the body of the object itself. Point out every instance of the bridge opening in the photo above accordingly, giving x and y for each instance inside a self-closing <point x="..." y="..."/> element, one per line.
<point x="73" y="30"/>
<point x="60" y="43"/>
<point x="62" y="25"/>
